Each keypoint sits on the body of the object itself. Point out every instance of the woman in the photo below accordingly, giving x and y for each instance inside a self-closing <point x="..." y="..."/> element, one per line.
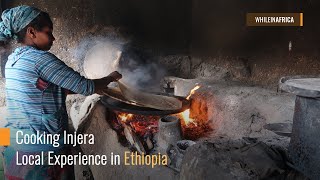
<point x="36" y="86"/>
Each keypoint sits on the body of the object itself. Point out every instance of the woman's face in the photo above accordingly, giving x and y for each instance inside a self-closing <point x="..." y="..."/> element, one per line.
<point x="44" y="38"/>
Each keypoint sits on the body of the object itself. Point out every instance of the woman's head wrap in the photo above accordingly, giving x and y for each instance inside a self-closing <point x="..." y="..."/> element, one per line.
<point x="15" y="19"/>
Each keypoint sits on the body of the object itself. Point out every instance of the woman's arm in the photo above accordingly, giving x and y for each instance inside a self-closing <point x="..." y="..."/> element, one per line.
<point x="53" y="70"/>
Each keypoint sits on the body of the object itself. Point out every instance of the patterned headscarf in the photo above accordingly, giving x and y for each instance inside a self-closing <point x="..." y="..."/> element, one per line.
<point x="15" y="19"/>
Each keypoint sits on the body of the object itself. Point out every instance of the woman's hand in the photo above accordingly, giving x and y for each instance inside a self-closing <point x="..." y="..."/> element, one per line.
<point x="115" y="76"/>
<point x="101" y="84"/>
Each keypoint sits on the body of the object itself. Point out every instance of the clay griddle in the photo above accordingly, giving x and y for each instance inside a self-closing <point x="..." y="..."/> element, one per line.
<point x="113" y="99"/>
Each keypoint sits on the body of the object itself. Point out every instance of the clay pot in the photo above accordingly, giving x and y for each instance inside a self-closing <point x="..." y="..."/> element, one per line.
<point x="169" y="132"/>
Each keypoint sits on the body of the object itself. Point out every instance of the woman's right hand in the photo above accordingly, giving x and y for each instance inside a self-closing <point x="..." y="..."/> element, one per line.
<point x="115" y="76"/>
<point x="102" y="84"/>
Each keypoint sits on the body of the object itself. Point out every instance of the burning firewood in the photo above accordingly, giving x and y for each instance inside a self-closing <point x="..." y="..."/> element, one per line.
<point x="133" y="139"/>
<point x="148" y="140"/>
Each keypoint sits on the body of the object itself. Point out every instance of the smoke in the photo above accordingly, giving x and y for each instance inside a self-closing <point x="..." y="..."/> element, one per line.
<point x="98" y="56"/>
<point x="144" y="77"/>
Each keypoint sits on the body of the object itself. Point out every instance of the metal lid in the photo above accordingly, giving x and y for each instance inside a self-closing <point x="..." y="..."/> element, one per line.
<point x="306" y="86"/>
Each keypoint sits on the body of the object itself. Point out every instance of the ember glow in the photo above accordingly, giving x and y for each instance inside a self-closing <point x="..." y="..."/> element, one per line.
<point x="140" y="124"/>
<point x="124" y="117"/>
<point x="193" y="128"/>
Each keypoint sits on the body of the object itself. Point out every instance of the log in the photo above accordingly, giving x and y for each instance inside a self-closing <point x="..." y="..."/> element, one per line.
<point x="133" y="139"/>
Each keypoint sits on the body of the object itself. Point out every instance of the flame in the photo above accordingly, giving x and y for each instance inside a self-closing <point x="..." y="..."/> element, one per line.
<point x="186" y="114"/>
<point x="124" y="116"/>
<point x="197" y="126"/>
<point x="186" y="117"/>
<point x="193" y="91"/>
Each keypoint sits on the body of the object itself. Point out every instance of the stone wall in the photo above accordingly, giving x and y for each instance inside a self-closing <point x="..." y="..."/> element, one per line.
<point x="192" y="38"/>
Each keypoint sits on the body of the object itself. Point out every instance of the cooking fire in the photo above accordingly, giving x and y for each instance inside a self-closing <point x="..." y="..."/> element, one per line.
<point x="141" y="130"/>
